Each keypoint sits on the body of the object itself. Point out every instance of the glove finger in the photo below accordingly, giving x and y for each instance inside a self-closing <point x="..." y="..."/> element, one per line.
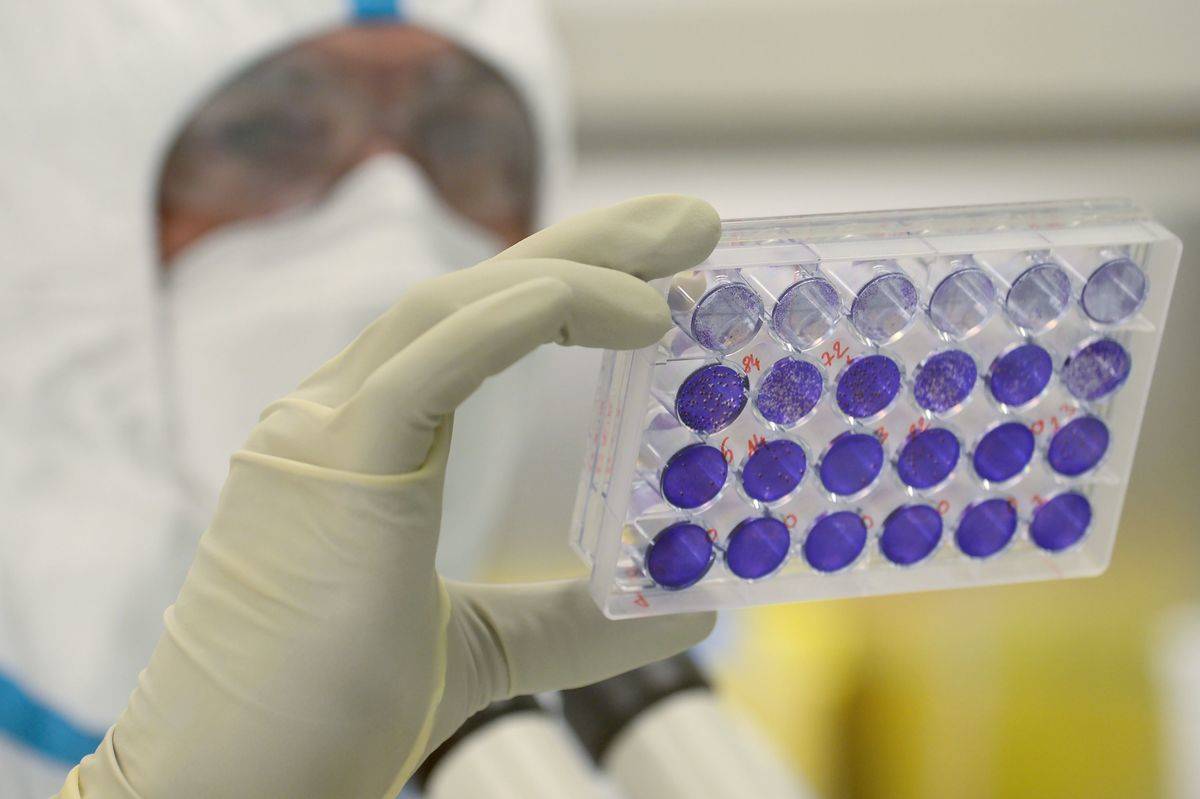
<point x="388" y="425"/>
<point x="649" y="237"/>
<point x="428" y="303"/>
<point x="533" y="637"/>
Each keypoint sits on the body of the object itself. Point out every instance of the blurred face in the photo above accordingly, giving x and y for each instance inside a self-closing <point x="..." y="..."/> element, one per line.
<point x="284" y="131"/>
<point x="401" y="156"/>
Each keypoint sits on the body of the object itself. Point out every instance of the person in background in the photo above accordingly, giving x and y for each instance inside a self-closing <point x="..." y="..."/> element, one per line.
<point x="183" y="247"/>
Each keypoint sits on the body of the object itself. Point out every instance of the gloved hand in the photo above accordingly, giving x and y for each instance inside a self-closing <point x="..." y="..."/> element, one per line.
<point x="314" y="651"/>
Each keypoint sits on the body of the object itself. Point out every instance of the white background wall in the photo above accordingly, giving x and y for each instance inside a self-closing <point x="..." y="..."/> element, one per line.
<point x="882" y="68"/>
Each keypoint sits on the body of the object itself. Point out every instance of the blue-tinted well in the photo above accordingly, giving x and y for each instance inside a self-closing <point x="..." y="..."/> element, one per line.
<point x="774" y="470"/>
<point x="806" y="312"/>
<point x="1020" y="375"/>
<point x="851" y="463"/>
<point x="694" y="476"/>
<point x="910" y="533"/>
<point x="1061" y="521"/>
<point x="1038" y="297"/>
<point x="679" y="555"/>
<point x="1097" y="370"/>
<point x="944" y="381"/>
<point x="868" y="386"/>
<point x="789" y="391"/>
<point x="710" y="398"/>
<point x="884" y="307"/>
<point x="1078" y="446"/>
<point x="928" y="458"/>
<point x="835" y="541"/>
<point x="962" y="302"/>
<point x="757" y="547"/>
<point x="986" y="527"/>
<point x="1004" y="452"/>
<point x="727" y="317"/>
<point x="1115" y="291"/>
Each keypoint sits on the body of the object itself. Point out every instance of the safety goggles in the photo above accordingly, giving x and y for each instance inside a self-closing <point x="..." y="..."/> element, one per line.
<point x="283" y="131"/>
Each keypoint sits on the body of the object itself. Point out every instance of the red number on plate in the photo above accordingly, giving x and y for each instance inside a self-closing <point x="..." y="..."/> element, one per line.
<point x="835" y="353"/>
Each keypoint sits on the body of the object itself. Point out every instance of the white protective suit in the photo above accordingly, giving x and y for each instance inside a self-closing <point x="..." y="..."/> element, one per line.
<point x="95" y="534"/>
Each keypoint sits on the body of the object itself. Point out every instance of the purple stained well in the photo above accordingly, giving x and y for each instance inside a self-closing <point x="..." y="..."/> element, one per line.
<point x="679" y="555"/>
<point x="1114" y="292"/>
<point x="1020" y="375"/>
<point x="789" y="391"/>
<point x="868" y="386"/>
<point x="884" y="307"/>
<point x="986" y="527"/>
<point x="910" y="533"/>
<point x="1004" y="452"/>
<point x="963" y="302"/>
<point x="1038" y="297"/>
<point x="727" y="317"/>
<point x="851" y="463"/>
<point x="694" y="476"/>
<point x="774" y="470"/>
<point x="710" y="398"/>
<point x="806" y="312"/>
<point x="928" y="458"/>
<point x="835" y="541"/>
<point x="1061" y="521"/>
<point x="757" y="547"/>
<point x="944" y="381"/>
<point x="1097" y="370"/>
<point x="1078" y="446"/>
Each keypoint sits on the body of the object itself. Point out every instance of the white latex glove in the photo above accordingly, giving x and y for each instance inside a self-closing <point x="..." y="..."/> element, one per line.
<point x="313" y="650"/>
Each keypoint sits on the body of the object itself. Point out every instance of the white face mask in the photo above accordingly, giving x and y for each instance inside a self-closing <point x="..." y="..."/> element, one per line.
<point x="254" y="308"/>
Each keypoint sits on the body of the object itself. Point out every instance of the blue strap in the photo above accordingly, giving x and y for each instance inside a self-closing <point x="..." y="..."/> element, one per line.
<point x="377" y="10"/>
<point x="41" y="728"/>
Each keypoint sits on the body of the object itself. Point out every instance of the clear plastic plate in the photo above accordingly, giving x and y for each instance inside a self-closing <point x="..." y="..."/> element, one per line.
<point x="872" y="403"/>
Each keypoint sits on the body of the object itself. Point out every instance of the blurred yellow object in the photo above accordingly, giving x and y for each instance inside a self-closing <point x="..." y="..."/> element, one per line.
<point x="1035" y="690"/>
<point x="795" y="670"/>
